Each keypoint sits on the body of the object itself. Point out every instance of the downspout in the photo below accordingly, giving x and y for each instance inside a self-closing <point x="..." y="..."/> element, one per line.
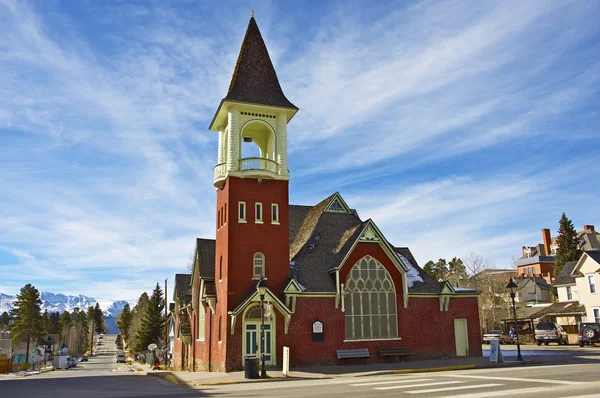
<point x="194" y="345"/>
<point x="209" y="338"/>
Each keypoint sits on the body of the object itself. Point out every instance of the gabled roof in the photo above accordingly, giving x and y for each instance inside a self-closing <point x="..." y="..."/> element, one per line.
<point x="254" y="79"/>
<point x="565" y="308"/>
<point x="565" y="277"/>
<point x="182" y="287"/>
<point x="205" y="255"/>
<point x="422" y="282"/>
<point x="539" y="281"/>
<point x="593" y="254"/>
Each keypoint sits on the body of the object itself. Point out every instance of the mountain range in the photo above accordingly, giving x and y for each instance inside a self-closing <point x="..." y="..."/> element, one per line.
<point x="60" y="302"/>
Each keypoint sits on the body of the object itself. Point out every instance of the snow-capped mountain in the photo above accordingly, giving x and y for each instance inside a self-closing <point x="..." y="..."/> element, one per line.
<point x="59" y="302"/>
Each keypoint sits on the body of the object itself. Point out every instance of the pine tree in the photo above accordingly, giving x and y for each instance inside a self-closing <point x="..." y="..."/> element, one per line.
<point x="4" y="320"/>
<point x="65" y="327"/>
<point x="28" y="324"/>
<point x="153" y="322"/>
<point x="457" y="271"/>
<point x="125" y="321"/>
<point x="430" y="269"/>
<point x="441" y="269"/>
<point x="53" y="323"/>
<point x="568" y="246"/>
<point x="98" y="318"/>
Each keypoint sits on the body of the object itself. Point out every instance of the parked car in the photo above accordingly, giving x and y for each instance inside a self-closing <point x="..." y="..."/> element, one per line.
<point x="550" y="332"/>
<point x="84" y="359"/>
<point x="71" y="363"/>
<point x="121" y="357"/>
<point x="588" y="332"/>
<point x="497" y="335"/>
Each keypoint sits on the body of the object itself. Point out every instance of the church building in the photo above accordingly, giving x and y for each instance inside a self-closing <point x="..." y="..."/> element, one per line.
<point x="334" y="282"/>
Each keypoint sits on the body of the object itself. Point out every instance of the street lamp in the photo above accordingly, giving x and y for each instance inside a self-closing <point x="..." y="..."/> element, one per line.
<point x="261" y="287"/>
<point x="513" y="291"/>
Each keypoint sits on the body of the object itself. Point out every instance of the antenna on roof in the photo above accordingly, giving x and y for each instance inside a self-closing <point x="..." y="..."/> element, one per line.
<point x="252" y="14"/>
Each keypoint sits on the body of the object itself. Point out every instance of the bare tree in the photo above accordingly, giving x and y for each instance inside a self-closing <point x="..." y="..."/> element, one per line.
<point x="474" y="263"/>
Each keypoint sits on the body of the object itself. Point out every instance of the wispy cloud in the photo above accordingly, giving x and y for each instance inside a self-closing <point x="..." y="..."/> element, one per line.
<point x="413" y="110"/>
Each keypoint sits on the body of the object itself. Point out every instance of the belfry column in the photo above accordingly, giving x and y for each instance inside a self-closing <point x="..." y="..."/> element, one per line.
<point x="220" y="156"/>
<point x="233" y="141"/>
<point x="282" y="144"/>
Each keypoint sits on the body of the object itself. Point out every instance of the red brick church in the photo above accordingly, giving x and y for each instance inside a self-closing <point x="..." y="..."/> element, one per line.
<point x="334" y="282"/>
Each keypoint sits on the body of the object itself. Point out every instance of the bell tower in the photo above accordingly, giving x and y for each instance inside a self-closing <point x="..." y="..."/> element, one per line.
<point x="251" y="178"/>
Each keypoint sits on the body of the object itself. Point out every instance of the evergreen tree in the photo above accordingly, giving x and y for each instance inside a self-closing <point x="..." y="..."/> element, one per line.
<point x="125" y="321"/>
<point x="28" y="324"/>
<point x="153" y="322"/>
<point x="98" y="319"/>
<point x="429" y="268"/>
<point x="441" y="269"/>
<point x="65" y="327"/>
<point x="45" y="320"/>
<point x="53" y="323"/>
<point x="4" y="320"/>
<point x="457" y="272"/>
<point x="138" y="313"/>
<point x="568" y="246"/>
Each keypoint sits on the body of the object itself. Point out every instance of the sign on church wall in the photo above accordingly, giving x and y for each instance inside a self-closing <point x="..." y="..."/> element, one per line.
<point x="317" y="331"/>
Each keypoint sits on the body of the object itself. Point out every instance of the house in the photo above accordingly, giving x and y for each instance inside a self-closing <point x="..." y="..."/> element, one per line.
<point x="586" y="273"/>
<point x="181" y="326"/>
<point x="566" y="285"/>
<point x="540" y="260"/>
<point x="333" y="281"/>
<point x="532" y="290"/>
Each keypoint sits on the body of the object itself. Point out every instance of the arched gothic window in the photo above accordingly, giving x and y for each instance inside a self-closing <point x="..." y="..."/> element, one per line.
<point x="370" y="302"/>
<point x="259" y="265"/>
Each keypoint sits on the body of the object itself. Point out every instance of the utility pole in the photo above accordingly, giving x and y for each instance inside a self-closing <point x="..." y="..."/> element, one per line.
<point x="166" y="325"/>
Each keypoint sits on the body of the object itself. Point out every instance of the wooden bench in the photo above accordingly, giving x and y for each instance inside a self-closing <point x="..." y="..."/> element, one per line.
<point x="398" y="352"/>
<point x="353" y="354"/>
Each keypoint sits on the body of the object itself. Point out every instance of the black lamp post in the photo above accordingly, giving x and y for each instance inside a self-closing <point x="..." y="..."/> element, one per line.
<point x="513" y="288"/>
<point x="261" y="287"/>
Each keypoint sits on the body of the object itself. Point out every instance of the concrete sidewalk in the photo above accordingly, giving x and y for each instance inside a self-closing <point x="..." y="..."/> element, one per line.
<point x="334" y="371"/>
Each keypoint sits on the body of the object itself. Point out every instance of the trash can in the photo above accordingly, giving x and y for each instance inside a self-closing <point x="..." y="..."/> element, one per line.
<point x="250" y="368"/>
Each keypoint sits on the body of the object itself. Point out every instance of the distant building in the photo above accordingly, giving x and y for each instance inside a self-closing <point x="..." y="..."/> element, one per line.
<point x="539" y="260"/>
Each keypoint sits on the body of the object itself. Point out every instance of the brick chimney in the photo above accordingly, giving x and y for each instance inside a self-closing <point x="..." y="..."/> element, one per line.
<point x="547" y="241"/>
<point x="588" y="228"/>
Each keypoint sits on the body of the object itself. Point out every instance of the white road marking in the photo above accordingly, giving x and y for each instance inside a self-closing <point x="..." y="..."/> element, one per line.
<point x="388" y="382"/>
<point x="525" y="380"/>
<point x="515" y="392"/>
<point x="471" y="387"/>
<point x="439" y="383"/>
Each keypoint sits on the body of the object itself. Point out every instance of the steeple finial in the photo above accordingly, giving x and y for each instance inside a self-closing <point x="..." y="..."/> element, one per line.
<point x="252" y="14"/>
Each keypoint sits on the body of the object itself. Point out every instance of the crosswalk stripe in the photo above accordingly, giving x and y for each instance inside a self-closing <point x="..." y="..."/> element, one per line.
<point x="470" y="387"/>
<point x="514" y="392"/>
<point x="388" y="382"/>
<point x="419" y="385"/>
<point x="548" y="381"/>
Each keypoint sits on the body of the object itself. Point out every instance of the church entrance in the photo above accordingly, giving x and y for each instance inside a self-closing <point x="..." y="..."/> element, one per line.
<point x="251" y="335"/>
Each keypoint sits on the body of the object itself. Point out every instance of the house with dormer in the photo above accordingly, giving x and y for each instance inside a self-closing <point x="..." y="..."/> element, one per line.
<point x="334" y="281"/>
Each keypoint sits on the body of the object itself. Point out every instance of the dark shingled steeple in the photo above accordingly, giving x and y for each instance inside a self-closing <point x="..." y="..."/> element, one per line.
<point x="254" y="79"/>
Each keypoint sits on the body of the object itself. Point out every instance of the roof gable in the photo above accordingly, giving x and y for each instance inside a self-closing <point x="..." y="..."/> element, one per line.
<point x="254" y="78"/>
<point x="337" y="205"/>
<point x="588" y="262"/>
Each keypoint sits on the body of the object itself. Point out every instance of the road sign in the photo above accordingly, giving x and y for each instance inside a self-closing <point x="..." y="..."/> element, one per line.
<point x="152" y="346"/>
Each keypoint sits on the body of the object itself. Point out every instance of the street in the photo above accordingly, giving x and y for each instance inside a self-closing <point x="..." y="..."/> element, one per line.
<point x="573" y="373"/>
<point x="100" y="377"/>
<point x="549" y="381"/>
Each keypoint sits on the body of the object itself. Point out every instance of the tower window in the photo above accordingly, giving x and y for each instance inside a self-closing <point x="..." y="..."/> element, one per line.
<point x="259" y="266"/>
<point x="218" y="218"/>
<point x="242" y="212"/>
<point x="221" y="268"/>
<point x="258" y="212"/>
<point x="225" y="214"/>
<point x="274" y="213"/>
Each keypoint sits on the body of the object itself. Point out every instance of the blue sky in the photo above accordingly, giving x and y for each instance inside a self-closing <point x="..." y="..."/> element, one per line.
<point x="457" y="126"/>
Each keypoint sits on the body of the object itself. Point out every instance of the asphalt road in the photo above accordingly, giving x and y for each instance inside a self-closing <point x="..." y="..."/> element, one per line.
<point x="100" y="377"/>
<point x="539" y="381"/>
